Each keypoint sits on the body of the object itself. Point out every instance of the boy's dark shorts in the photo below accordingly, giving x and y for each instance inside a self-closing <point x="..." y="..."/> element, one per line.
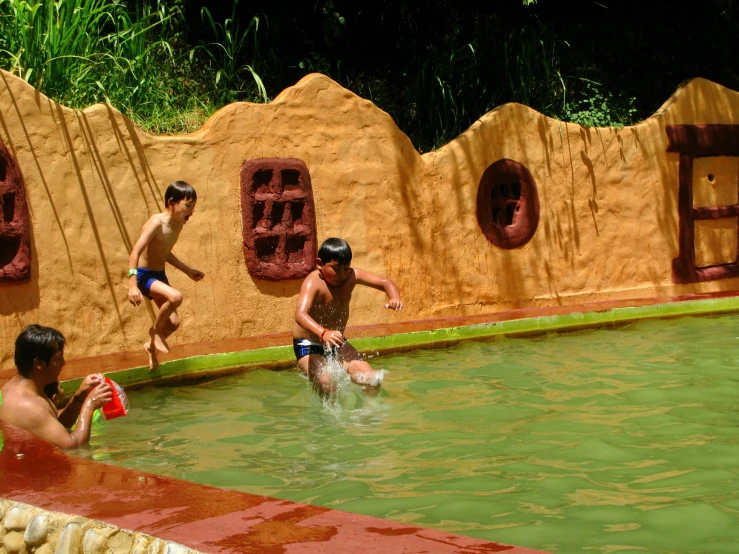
<point x="305" y="347"/>
<point x="146" y="277"/>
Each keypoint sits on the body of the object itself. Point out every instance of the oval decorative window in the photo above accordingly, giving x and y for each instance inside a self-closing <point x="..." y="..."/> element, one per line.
<point x="507" y="204"/>
<point x="15" y="231"/>
<point x="278" y="216"/>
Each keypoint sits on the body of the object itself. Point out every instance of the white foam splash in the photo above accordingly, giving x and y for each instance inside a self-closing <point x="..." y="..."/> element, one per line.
<point x="372" y="379"/>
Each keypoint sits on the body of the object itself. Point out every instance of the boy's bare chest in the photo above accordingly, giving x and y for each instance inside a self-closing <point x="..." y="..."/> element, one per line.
<point x="334" y="300"/>
<point x="165" y="239"/>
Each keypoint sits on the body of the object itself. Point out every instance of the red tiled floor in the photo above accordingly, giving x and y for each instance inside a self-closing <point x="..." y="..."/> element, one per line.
<point x="202" y="517"/>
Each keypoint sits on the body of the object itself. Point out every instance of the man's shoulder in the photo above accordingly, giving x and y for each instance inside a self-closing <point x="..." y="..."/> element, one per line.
<point x="22" y="409"/>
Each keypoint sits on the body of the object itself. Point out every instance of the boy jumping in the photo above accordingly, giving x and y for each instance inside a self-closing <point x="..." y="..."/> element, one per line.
<point x="147" y="260"/>
<point x="323" y="312"/>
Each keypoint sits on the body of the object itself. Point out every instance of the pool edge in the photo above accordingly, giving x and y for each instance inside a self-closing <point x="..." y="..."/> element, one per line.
<point x="206" y="366"/>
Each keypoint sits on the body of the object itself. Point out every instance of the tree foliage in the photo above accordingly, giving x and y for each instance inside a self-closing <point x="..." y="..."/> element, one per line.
<point x="435" y="66"/>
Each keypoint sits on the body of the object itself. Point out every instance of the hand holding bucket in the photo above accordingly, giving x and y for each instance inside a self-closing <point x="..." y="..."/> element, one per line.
<point x="118" y="406"/>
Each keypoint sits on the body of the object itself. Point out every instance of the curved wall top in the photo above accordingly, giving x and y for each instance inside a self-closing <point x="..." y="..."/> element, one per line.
<point x="608" y="226"/>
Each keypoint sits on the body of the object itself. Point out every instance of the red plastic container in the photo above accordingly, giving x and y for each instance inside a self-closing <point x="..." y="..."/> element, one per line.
<point x="118" y="406"/>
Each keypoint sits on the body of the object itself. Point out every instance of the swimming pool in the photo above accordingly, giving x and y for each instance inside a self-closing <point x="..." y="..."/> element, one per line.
<point x="607" y="440"/>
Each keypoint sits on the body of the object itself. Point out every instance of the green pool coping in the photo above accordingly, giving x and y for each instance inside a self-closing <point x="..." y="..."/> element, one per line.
<point x="282" y="356"/>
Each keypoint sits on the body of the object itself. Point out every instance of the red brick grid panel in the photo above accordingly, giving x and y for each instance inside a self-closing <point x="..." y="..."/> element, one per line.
<point x="508" y="204"/>
<point x="278" y="216"/>
<point x="15" y="230"/>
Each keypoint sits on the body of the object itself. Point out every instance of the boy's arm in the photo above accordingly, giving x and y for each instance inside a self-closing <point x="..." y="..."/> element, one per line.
<point x="193" y="274"/>
<point x="380" y="283"/>
<point x="147" y="233"/>
<point x="303" y="318"/>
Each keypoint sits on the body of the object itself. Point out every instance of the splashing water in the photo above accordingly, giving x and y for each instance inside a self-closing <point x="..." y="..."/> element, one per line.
<point x="373" y="379"/>
<point x="344" y="394"/>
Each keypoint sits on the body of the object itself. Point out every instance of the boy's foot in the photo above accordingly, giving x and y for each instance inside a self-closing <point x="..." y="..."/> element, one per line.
<point x="153" y="362"/>
<point x="158" y="341"/>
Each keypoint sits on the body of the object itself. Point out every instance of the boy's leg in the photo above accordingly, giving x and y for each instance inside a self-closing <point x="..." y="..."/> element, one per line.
<point x="168" y="300"/>
<point x="313" y="366"/>
<point x="172" y="324"/>
<point x="358" y="369"/>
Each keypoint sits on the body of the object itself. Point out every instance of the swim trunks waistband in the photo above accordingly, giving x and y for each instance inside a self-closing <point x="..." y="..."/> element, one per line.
<point x="304" y="347"/>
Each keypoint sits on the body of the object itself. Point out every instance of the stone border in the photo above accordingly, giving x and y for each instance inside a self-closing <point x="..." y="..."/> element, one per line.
<point x="26" y="529"/>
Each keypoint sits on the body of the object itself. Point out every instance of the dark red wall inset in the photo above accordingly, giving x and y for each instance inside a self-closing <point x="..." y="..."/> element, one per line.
<point x="699" y="141"/>
<point x="15" y="231"/>
<point x="278" y="216"/>
<point x="507" y="204"/>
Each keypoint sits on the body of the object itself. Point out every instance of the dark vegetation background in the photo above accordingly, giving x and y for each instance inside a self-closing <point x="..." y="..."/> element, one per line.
<point x="434" y="66"/>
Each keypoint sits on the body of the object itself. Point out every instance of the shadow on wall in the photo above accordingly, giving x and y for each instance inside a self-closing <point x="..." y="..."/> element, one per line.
<point x="74" y="127"/>
<point x="279" y="289"/>
<point x="19" y="290"/>
<point x="17" y="298"/>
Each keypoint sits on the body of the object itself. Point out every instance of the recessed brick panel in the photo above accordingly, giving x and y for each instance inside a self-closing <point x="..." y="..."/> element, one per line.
<point x="507" y="204"/>
<point x="15" y="232"/>
<point x="278" y="216"/>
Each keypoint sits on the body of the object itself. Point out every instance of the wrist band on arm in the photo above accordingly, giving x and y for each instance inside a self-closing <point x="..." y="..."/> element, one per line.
<point x="132" y="272"/>
<point x="323" y="333"/>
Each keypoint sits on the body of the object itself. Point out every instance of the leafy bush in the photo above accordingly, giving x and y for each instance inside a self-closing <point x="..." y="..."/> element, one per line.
<point x="594" y="107"/>
<point x="80" y="52"/>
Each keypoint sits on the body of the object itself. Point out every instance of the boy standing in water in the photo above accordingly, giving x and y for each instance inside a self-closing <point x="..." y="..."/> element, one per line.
<point x="323" y="312"/>
<point x="147" y="260"/>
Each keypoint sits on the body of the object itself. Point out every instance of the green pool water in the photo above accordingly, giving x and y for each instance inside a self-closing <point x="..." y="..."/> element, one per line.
<point x="604" y="440"/>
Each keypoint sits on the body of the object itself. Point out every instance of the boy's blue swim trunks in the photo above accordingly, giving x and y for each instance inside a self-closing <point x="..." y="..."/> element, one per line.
<point x="146" y="277"/>
<point x="304" y="347"/>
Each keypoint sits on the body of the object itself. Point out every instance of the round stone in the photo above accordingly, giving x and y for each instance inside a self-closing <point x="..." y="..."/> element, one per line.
<point x="37" y="530"/>
<point x="94" y="542"/>
<point x="175" y="548"/>
<point x="17" y="519"/>
<point x="140" y="544"/>
<point x="70" y="541"/>
<point x="14" y="543"/>
<point x="155" y="547"/>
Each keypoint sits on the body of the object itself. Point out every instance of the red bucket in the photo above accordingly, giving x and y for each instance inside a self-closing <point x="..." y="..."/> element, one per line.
<point x="118" y="406"/>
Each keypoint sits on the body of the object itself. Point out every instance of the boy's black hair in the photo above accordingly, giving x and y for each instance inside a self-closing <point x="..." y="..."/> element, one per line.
<point x="36" y="341"/>
<point x="335" y="250"/>
<point x="177" y="191"/>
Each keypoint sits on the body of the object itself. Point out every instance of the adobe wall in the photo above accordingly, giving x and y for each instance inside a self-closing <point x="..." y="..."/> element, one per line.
<point x="608" y="211"/>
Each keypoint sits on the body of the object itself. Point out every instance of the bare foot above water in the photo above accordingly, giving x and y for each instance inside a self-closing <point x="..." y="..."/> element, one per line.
<point x="158" y="341"/>
<point x="153" y="362"/>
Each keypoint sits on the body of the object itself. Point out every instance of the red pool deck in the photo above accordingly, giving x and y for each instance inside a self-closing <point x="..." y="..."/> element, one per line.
<point x="205" y="518"/>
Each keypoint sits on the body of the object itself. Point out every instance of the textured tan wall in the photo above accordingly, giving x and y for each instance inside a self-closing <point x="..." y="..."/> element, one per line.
<point x="608" y="197"/>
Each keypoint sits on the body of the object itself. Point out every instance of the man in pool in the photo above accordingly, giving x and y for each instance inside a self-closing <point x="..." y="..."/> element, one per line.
<point x="147" y="260"/>
<point x="24" y="403"/>
<point x="323" y="312"/>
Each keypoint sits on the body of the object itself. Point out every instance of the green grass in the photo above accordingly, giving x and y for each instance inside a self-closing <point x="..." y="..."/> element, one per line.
<point x="132" y="56"/>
